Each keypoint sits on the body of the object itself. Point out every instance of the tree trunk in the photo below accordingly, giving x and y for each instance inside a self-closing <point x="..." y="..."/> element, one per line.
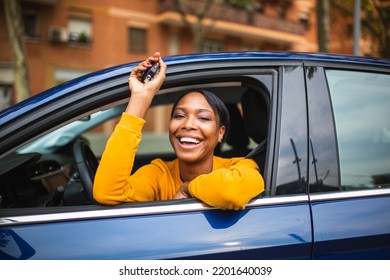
<point x="16" y="33"/>
<point x="386" y="49"/>
<point x="197" y="37"/>
<point x="323" y="25"/>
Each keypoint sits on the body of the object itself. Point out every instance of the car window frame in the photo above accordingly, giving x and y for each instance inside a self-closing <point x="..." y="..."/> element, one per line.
<point x="83" y="98"/>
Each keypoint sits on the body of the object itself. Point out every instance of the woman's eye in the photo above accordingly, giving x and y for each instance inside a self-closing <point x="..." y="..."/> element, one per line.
<point x="178" y="116"/>
<point x="204" y="118"/>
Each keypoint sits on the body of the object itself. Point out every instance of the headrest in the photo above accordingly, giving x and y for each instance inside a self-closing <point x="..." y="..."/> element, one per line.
<point x="236" y="136"/>
<point x="255" y="115"/>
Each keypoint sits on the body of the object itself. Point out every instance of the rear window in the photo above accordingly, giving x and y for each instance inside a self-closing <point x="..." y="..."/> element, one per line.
<point x="361" y="102"/>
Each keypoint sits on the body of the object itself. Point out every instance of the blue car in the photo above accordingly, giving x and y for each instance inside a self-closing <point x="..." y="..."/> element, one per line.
<point x="317" y="125"/>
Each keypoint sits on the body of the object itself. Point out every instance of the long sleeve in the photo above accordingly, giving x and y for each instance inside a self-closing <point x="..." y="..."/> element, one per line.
<point x="113" y="183"/>
<point x="230" y="186"/>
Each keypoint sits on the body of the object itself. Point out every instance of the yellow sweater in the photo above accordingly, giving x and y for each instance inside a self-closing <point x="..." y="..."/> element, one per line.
<point x="231" y="184"/>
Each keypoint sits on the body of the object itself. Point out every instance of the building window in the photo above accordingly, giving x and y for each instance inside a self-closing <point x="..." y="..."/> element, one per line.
<point x="282" y="11"/>
<point x="5" y="96"/>
<point x="64" y="75"/>
<point x="80" y="30"/>
<point x="137" y="40"/>
<point x="304" y="19"/>
<point x="31" y="24"/>
<point x="209" y="45"/>
<point x="251" y="47"/>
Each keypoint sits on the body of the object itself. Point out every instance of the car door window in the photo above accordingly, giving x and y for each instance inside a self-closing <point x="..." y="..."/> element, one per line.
<point x="361" y="102"/>
<point x="34" y="173"/>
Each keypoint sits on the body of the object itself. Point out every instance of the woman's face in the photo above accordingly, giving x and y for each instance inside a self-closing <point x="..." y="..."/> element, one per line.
<point x="194" y="131"/>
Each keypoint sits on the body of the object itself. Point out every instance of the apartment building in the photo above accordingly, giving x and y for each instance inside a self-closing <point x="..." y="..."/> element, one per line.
<point x="68" y="38"/>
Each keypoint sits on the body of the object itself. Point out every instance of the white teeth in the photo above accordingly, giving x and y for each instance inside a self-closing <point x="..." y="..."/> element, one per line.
<point x="189" y="140"/>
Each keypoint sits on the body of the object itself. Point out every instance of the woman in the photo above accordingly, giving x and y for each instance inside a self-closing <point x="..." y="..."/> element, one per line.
<point x="199" y="121"/>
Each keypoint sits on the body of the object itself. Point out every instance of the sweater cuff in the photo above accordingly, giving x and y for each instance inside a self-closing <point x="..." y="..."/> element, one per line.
<point x="131" y="122"/>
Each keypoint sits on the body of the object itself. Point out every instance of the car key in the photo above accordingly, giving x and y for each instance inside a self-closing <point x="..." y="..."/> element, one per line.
<point x="149" y="73"/>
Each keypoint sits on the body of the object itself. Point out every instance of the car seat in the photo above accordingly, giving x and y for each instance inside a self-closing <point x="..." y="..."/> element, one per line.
<point x="255" y="117"/>
<point x="236" y="136"/>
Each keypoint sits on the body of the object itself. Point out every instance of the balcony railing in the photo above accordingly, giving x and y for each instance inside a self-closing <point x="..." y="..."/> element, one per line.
<point x="241" y="16"/>
<point x="46" y="2"/>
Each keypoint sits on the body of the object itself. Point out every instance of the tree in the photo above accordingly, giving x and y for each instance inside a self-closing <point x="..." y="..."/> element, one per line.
<point x="323" y="25"/>
<point x="15" y="28"/>
<point x="375" y="22"/>
<point x="201" y="9"/>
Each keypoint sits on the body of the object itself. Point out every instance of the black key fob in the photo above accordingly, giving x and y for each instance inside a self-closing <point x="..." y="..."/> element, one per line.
<point x="150" y="72"/>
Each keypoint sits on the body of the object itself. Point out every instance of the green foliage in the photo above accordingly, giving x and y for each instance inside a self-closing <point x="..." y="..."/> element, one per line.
<point x="375" y="21"/>
<point x="247" y="4"/>
<point x="83" y="37"/>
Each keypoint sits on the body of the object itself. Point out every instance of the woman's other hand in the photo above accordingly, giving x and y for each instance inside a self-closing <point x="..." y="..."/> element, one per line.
<point x="183" y="191"/>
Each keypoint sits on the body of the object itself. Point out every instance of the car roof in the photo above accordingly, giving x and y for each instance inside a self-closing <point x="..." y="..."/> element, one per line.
<point x="294" y="56"/>
<point x="61" y="90"/>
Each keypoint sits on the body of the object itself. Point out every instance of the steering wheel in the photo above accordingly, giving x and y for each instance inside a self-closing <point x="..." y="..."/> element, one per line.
<point x="86" y="165"/>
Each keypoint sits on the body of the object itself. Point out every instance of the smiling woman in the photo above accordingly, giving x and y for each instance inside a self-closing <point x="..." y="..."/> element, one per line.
<point x="199" y="121"/>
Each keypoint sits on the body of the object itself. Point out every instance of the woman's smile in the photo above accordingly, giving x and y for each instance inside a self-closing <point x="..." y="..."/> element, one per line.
<point x="186" y="140"/>
<point x="188" y="143"/>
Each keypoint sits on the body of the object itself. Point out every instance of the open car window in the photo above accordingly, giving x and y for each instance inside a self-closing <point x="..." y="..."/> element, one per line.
<point x="32" y="174"/>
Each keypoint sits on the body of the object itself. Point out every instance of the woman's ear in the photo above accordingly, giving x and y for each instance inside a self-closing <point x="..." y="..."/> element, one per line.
<point x="221" y="133"/>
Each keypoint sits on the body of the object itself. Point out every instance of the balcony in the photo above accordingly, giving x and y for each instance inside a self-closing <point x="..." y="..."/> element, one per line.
<point x="242" y="17"/>
<point x="46" y="2"/>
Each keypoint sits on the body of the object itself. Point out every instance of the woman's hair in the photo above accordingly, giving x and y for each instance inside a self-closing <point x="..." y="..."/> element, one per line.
<point x="216" y="104"/>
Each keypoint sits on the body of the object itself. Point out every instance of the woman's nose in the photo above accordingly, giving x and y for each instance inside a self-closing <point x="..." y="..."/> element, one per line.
<point x="189" y="123"/>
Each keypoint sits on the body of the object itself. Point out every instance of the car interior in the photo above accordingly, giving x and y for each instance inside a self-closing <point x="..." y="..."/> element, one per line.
<point x="57" y="168"/>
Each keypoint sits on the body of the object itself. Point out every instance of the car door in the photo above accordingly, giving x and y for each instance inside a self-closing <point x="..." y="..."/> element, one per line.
<point x="276" y="225"/>
<point x="350" y="160"/>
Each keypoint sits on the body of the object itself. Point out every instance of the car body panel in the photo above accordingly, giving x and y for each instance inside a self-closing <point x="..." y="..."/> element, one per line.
<point x="353" y="227"/>
<point x="196" y="234"/>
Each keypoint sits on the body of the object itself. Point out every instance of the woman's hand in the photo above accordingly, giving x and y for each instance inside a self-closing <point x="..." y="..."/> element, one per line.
<point x="183" y="191"/>
<point x="142" y="93"/>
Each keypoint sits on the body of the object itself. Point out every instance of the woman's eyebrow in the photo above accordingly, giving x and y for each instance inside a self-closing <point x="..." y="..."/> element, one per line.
<point x="200" y="110"/>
